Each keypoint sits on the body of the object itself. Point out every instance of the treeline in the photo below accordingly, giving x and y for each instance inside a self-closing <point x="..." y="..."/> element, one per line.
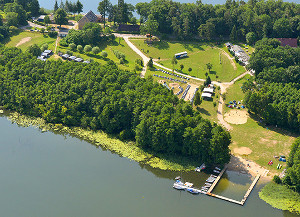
<point x="234" y="19"/>
<point x="276" y="96"/>
<point x="292" y="178"/>
<point x="103" y="97"/>
<point x="32" y="7"/>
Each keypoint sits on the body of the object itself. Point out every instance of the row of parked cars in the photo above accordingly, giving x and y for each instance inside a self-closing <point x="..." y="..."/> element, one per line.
<point x="72" y="58"/>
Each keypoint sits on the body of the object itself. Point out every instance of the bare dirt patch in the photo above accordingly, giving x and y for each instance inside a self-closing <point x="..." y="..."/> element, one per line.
<point x="191" y="92"/>
<point x="236" y="117"/>
<point x="242" y="151"/>
<point x="23" y="41"/>
<point x="174" y="85"/>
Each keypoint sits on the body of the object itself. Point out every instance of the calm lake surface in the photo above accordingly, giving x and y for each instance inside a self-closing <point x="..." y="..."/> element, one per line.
<point x="93" y="4"/>
<point x="53" y="175"/>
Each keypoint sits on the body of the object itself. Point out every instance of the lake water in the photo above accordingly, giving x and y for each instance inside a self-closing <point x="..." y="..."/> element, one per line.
<point x="49" y="175"/>
<point x="92" y="4"/>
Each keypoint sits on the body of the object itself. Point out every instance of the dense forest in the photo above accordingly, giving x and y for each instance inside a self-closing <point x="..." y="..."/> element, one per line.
<point x="103" y="97"/>
<point x="276" y="96"/>
<point x="292" y="178"/>
<point x="234" y="19"/>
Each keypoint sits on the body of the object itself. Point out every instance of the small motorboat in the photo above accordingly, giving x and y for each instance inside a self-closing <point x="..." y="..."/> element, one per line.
<point x="216" y="171"/>
<point x="177" y="178"/>
<point x="192" y="191"/>
<point x="178" y="186"/>
<point x="217" y="168"/>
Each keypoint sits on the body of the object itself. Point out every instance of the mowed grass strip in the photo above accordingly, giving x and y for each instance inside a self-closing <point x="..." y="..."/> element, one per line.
<point x="264" y="141"/>
<point x="199" y="55"/>
<point x="36" y="38"/>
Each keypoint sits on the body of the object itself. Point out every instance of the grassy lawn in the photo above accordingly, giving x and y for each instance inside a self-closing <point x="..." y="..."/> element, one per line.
<point x="36" y="38"/>
<point x="264" y="141"/>
<point x="131" y="56"/>
<point x="207" y="108"/>
<point x="199" y="55"/>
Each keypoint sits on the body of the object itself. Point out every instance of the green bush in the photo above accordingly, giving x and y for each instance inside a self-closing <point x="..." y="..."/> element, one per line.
<point x="104" y="54"/>
<point x="87" y="48"/>
<point x="276" y="179"/>
<point x="80" y="48"/>
<point x="119" y="54"/>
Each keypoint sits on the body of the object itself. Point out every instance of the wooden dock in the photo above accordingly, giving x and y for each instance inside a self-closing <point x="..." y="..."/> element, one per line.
<point x="250" y="189"/>
<point x="225" y="198"/>
<point x="242" y="202"/>
<point x="216" y="181"/>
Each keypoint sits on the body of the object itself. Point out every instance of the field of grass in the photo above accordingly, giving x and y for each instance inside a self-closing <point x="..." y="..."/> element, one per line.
<point x="131" y="56"/>
<point x="280" y="197"/>
<point x="36" y="38"/>
<point x="264" y="141"/>
<point x="199" y="55"/>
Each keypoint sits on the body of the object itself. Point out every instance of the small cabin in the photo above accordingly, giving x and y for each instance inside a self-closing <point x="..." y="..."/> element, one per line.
<point x="181" y="55"/>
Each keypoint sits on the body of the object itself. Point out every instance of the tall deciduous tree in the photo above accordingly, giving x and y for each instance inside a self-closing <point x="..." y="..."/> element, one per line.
<point x="150" y="26"/>
<point x="60" y="17"/>
<point x="104" y="9"/>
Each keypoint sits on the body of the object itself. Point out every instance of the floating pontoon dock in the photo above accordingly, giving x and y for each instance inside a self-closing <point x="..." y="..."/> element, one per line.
<point x="242" y="202"/>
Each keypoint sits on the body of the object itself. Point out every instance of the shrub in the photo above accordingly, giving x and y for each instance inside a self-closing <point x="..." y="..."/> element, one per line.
<point x="96" y="50"/>
<point x="72" y="46"/>
<point x="276" y="179"/>
<point x="80" y="48"/>
<point x="119" y="54"/>
<point x="104" y="54"/>
<point x="53" y="34"/>
<point x="44" y="47"/>
<point x="87" y="48"/>
<point x="122" y="61"/>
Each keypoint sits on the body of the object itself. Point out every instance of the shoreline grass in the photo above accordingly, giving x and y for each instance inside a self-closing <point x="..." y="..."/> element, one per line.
<point x="281" y="197"/>
<point x="99" y="138"/>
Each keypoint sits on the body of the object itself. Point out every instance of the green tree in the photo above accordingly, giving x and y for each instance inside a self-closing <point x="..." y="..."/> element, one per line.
<point x="47" y="20"/>
<point x="150" y="63"/>
<point x="96" y="50"/>
<point x="207" y="81"/>
<point x="43" y="31"/>
<point x="87" y="48"/>
<point x="104" y="9"/>
<point x="190" y="69"/>
<point x="181" y="66"/>
<point x="174" y="62"/>
<point x="198" y="99"/>
<point x="79" y="48"/>
<point x="55" y="6"/>
<point x="18" y="9"/>
<point x="209" y="66"/>
<point x="34" y="49"/>
<point x="72" y="46"/>
<point x="12" y="19"/>
<point x="282" y="28"/>
<point x="79" y="7"/>
<point x="60" y="17"/>
<point x="250" y="38"/>
<point x="233" y="34"/>
<point x="104" y="54"/>
<point x="150" y="26"/>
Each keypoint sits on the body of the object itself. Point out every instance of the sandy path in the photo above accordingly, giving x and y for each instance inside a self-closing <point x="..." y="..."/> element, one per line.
<point x="191" y="92"/>
<point x="23" y="41"/>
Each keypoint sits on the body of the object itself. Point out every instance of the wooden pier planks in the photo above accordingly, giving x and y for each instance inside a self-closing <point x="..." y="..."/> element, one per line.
<point x="216" y="181"/>
<point x="250" y="189"/>
<point x="225" y="198"/>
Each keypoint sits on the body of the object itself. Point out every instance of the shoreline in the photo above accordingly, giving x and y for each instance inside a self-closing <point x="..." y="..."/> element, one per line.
<point x="130" y="150"/>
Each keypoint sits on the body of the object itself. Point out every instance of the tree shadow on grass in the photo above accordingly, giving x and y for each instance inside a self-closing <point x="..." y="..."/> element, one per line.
<point x="212" y="72"/>
<point x="161" y="45"/>
<point x="273" y="128"/>
<point x="203" y="111"/>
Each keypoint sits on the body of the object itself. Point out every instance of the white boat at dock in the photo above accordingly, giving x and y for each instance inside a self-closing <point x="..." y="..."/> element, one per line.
<point x="179" y="186"/>
<point x="188" y="184"/>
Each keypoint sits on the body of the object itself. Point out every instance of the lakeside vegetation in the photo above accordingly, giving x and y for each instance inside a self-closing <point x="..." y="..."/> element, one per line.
<point x="281" y="197"/>
<point x="99" y="138"/>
